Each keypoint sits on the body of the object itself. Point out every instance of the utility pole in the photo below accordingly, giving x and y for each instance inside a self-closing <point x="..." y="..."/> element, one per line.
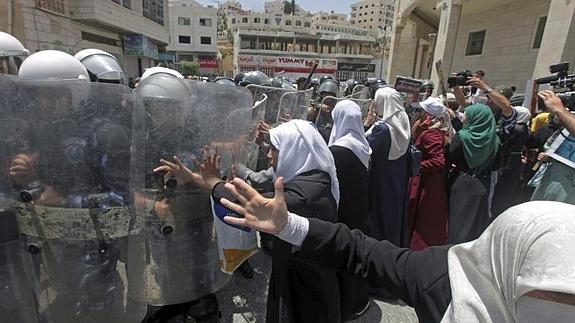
<point x="383" y="46"/>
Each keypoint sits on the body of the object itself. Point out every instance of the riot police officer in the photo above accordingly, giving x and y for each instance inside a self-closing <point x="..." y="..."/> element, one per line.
<point x="16" y="292"/>
<point x="101" y="66"/>
<point x="12" y="53"/>
<point x="78" y="227"/>
<point x="183" y="265"/>
<point x="327" y="99"/>
<point x="376" y="85"/>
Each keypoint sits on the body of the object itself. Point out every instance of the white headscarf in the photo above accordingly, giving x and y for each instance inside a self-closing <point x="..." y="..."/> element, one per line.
<point x="389" y="104"/>
<point x="529" y="247"/>
<point x="302" y="149"/>
<point x="348" y="130"/>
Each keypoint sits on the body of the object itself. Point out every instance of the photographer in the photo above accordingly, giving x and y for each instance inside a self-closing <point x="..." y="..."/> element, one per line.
<point x="558" y="181"/>
<point x="555" y="106"/>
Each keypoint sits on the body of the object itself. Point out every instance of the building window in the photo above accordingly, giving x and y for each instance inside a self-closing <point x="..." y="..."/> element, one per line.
<point x="56" y="6"/>
<point x="257" y="20"/>
<point x="288" y="22"/>
<point x="123" y="3"/>
<point x="100" y="39"/>
<point x="360" y="14"/>
<point x="233" y="20"/>
<point x="244" y="20"/>
<point x="182" y="21"/>
<point x="206" y="22"/>
<point x="475" y="43"/>
<point x="266" y="21"/>
<point x="539" y="32"/>
<point x="184" y="39"/>
<point x="205" y="40"/>
<point x="298" y="23"/>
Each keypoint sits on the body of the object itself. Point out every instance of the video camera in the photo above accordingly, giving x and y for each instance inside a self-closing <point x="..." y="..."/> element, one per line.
<point x="459" y="79"/>
<point x="562" y="82"/>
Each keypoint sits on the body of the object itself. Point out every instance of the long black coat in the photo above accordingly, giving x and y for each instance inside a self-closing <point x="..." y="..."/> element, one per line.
<point x="353" y="211"/>
<point x="299" y="291"/>
<point x="419" y="278"/>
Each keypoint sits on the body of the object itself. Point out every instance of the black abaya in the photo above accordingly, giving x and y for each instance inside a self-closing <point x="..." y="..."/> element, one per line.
<point x="353" y="212"/>
<point x="469" y="193"/>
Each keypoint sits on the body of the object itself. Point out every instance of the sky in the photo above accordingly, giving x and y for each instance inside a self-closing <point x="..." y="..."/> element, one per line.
<point x="340" y="6"/>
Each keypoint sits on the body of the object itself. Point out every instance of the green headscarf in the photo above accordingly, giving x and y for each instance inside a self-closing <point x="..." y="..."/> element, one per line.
<point x="479" y="135"/>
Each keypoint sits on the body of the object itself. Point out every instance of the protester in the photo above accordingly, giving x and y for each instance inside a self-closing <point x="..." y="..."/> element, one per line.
<point x="428" y="209"/>
<point x="514" y="133"/>
<point x="298" y="291"/>
<point x="518" y="270"/>
<point x="388" y="179"/>
<point x="558" y="182"/>
<point x="471" y="155"/>
<point x="351" y="153"/>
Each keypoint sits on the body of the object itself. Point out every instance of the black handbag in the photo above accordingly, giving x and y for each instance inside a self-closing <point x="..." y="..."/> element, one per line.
<point x="413" y="159"/>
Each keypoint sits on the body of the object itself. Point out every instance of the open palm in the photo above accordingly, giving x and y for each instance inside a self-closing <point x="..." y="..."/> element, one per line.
<point x="260" y="213"/>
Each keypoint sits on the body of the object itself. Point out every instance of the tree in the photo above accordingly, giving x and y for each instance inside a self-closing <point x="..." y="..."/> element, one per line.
<point x="188" y="68"/>
<point x="289" y="7"/>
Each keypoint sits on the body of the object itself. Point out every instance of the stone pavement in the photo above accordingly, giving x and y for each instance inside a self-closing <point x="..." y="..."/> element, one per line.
<point x="244" y="300"/>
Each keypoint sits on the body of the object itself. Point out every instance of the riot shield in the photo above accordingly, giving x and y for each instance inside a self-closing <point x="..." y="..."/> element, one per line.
<point x="17" y="301"/>
<point x="294" y="105"/>
<point x="175" y="117"/>
<point x="272" y="103"/>
<point x="360" y="92"/>
<point x="69" y="180"/>
<point x="324" y="121"/>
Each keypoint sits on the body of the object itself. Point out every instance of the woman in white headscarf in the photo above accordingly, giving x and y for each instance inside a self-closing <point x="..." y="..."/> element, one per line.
<point x="301" y="292"/>
<point x="388" y="179"/>
<point x="428" y="203"/>
<point x="514" y="134"/>
<point x="521" y="269"/>
<point x="351" y="153"/>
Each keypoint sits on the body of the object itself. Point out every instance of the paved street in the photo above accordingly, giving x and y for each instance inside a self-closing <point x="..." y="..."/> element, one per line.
<point x="244" y="300"/>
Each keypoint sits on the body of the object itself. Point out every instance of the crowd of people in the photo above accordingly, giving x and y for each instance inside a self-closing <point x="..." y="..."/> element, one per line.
<point x="357" y="188"/>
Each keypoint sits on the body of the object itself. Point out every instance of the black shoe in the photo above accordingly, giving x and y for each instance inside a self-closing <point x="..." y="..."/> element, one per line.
<point x="246" y="270"/>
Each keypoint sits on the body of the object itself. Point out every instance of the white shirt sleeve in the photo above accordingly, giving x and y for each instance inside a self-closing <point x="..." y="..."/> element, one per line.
<point x="295" y="230"/>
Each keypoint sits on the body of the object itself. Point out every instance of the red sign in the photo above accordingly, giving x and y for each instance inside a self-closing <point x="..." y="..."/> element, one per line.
<point x="208" y="62"/>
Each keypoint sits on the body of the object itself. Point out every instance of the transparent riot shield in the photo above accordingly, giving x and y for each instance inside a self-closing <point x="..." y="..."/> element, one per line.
<point x="360" y="92"/>
<point x="294" y="105"/>
<point x="17" y="283"/>
<point x="272" y="103"/>
<point x="324" y="121"/>
<point x="69" y="178"/>
<point x="175" y="117"/>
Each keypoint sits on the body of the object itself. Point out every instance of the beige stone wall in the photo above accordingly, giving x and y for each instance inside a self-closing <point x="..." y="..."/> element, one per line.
<point x="558" y="44"/>
<point x="508" y="57"/>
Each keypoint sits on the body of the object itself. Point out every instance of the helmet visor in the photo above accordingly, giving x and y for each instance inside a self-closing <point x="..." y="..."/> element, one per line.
<point x="104" y="68"/>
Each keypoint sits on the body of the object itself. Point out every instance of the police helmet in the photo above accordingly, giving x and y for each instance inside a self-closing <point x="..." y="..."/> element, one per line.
<point x="12" y="53"/>
<point x="224" y="81"/>
<point x="102" y="66"/>
<point x="256" y="78"/>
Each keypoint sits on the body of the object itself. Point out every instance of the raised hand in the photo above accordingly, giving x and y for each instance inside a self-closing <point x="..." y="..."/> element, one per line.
<point x="260" y="213"/>
<point x="23" y="168"/>
<point x="552" y="101"/>
<point x="209" y="168"/>
<point x="182" y="173"/>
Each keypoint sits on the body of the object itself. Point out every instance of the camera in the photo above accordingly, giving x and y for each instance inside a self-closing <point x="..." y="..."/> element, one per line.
<point x="562" y="83"/>
<point x="459" y="79"/>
